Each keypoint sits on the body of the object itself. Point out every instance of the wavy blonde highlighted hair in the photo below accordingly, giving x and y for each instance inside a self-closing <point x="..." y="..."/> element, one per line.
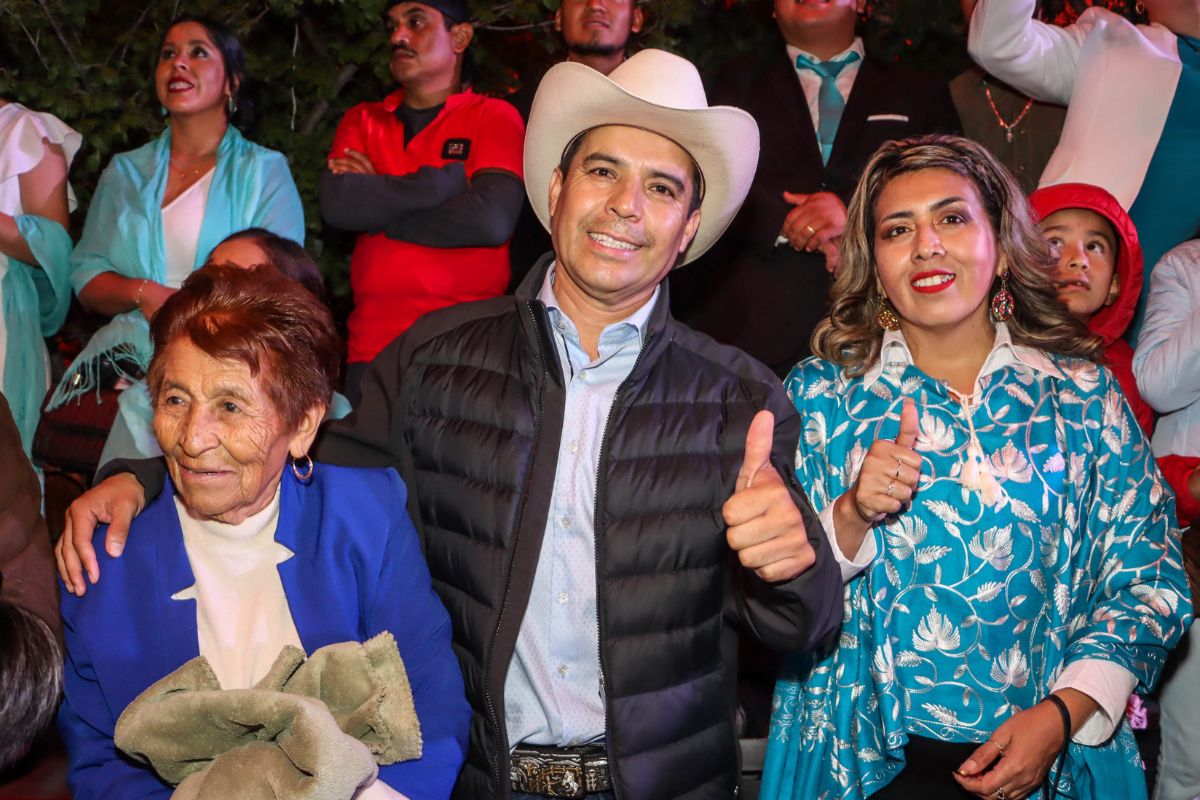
<point x="850" y="335"/>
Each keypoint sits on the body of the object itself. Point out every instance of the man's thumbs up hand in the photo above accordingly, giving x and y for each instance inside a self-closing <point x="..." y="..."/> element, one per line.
<point x="756" y="460"/>
<point x="765" y="526"/>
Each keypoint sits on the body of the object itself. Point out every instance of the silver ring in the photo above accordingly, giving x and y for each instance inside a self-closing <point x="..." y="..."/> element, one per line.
<point x="891" y="488"/>
<point x="899" y="466"/>
<point x="996" y="744"/>
<point x="1001" y="794"/>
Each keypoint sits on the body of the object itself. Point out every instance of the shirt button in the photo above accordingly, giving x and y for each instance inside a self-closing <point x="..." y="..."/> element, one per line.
<point x="563" y="669"/>
<point x="563" y="597"/>
<point x="565" y="522"/>
<point x="573" y="446"/>
<point x="562" y="326"/>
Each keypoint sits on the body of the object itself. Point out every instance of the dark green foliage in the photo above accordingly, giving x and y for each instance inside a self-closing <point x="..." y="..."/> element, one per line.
<point x="91" y="61"/>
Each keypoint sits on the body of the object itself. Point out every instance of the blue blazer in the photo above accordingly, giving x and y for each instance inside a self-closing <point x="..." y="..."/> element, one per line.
<point x="357" y="570"/>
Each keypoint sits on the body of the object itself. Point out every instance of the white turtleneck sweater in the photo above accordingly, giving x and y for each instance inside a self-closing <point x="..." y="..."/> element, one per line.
<point x="242" y="614"/>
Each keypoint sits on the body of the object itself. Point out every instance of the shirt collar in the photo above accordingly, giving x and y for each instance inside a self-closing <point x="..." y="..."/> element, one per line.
<point x="894" y="352"/>
<point x="394" y="100"/>
<point x="855" y="47"/>
<point x="639" y="320"/>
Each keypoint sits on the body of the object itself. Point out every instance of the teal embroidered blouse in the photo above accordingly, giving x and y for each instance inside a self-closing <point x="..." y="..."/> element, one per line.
<point x="980" y="596"/>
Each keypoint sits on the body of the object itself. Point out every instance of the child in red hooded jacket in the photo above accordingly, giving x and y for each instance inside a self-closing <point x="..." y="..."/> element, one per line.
<point x="1099" y="272"/>
<point x="1099" y="279"/>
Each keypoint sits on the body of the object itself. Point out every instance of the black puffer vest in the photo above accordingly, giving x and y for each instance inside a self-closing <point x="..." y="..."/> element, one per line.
<point x="471" y="399"/>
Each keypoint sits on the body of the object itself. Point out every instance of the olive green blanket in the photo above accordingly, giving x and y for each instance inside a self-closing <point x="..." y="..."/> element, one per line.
<point x="312" y="729"/>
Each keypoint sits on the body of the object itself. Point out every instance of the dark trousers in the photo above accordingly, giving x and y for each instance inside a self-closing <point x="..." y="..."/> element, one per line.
<point x="927" y="771"/>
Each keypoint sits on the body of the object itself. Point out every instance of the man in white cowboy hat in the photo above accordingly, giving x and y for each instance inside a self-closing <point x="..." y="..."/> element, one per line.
<point x="599" y="489"/>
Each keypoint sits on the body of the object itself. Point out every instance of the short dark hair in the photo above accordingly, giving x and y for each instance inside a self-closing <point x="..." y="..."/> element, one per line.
<point x="572" y="148"/>
<point x="261" y="318"/>
<point x="233" y="57"/>
<point x="31" y="679"/>
<point x="284" y="255"/>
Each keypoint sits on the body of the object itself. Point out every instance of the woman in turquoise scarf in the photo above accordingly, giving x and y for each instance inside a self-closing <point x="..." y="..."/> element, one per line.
<point x="36" y="150"/>
<point x="1021" y="572"/>
<point x="159" y="210"/>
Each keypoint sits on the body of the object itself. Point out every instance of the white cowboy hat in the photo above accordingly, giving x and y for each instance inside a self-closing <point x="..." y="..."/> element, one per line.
<point x="659" y="92"/>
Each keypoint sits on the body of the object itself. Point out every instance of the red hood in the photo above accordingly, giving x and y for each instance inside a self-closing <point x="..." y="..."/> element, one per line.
<point x="1110" y="321"/>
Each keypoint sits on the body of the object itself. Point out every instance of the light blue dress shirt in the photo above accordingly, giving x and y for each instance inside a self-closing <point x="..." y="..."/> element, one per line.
<point x="554" y="693"/>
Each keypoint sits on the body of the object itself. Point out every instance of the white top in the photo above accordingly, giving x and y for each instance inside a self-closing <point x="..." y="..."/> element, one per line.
<point x="181" y="221"/>
<point x="242" y="615"/>
<point x="810" y="81"/>
<point x="1116" y="78"/>
<point x="23" y="134"/>
<point x="1167" y="361"/>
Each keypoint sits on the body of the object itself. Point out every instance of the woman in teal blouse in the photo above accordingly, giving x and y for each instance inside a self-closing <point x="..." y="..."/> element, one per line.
<point x="1022" y="572"/>
<point x="158" y="211"/>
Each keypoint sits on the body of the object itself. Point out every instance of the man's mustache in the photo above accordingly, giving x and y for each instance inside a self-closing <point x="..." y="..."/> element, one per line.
<point x="399" y="48"/>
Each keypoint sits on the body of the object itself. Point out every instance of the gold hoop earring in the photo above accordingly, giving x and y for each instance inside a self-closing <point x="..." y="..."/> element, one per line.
<point x="1003" y="303"/>
<point x="1140" y="7"/>
<point x="304" y="475"/>
<point x="886" y="316"/>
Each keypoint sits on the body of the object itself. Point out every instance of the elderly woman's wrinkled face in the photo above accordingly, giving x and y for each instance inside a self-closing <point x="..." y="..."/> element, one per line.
<point x="225" y="443"/>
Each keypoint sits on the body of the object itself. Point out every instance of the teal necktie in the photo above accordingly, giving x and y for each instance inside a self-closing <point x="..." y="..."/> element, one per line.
<point x="830" y="104"/>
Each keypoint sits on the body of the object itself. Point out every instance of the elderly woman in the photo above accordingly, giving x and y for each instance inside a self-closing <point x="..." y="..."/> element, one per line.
<point x="1022" y="569"/>
<point x="159" y="210"/>
<point x="253" y="547"/>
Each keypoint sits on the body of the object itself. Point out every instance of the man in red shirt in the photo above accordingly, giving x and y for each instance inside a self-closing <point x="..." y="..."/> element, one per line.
<point x="430" y="177"/>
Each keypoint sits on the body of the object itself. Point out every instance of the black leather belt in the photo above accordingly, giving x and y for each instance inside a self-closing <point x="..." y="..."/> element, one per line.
<point x="560" y="771"/>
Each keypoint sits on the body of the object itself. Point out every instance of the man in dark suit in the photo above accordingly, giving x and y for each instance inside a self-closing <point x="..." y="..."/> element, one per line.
<point x="764" y="287"/>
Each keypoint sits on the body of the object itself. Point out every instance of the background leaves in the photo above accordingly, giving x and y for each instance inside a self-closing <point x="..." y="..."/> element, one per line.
<point x="90" y="62"/>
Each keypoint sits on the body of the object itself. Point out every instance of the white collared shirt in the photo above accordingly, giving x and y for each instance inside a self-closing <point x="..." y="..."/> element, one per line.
<point x="810" y="82"/>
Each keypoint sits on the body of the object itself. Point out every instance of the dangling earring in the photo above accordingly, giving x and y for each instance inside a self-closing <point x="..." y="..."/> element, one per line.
<point x="304" y="475"/>
<point x="232" y="104"/>
<point x="885" y="316"/>
<point x="162" y="110"/>
<point x="1140" y="7"/>
<point x="1003" y="303"/>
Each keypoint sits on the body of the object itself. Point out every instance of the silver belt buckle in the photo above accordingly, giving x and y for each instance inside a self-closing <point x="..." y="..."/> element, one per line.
<point x="558" y="775"/>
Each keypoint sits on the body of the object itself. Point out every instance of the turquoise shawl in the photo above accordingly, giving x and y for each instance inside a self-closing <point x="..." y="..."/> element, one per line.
<point x="35" y="304"/>
<point x="251" y="187"/>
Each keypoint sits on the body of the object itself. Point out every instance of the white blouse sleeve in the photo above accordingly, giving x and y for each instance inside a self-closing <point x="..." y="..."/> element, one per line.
<point x="23" y="132"/>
